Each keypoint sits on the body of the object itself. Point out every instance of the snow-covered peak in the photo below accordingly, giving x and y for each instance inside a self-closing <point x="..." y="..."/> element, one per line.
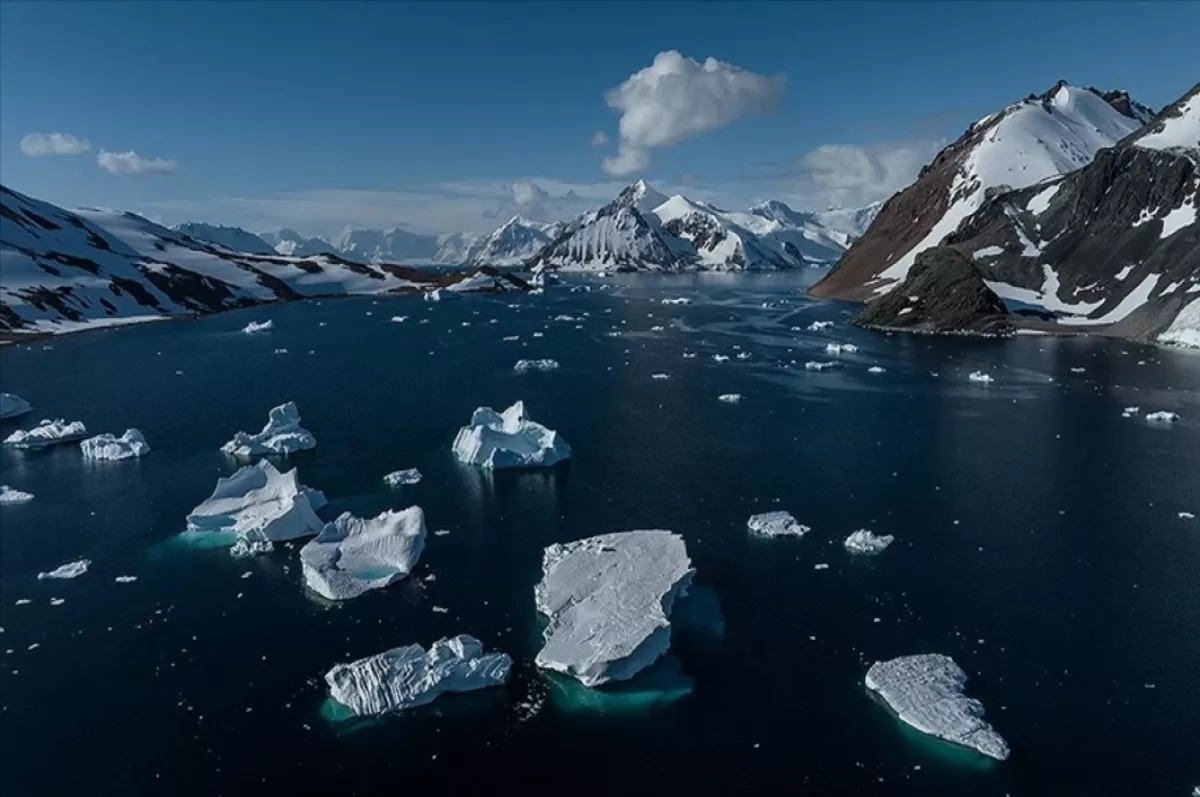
<point x="513" y="242"/>
<point x="234" y="238"/>
<point x="641" y="195"/>
<point x="290" y="243"/>
<point x="1178" y="128"/>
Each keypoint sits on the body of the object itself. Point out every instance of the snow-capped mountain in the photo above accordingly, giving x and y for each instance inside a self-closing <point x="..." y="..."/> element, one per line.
<point x="1029" y="141"/>
<point x="292" y="244"/>
<point x="456" y="248"/>
<point x="514" y="242"/>
<point x="848" y="224"/>
<point x="394" y="245"/>
<point x="234" y="238"/>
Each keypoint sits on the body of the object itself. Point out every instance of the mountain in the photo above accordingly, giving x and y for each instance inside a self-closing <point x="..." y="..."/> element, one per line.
<point x="514" y="242"/>
<point x="457" y="248"/>
<point x="1111" y="248"/>
<point x="64" y="270"/>
<point x="1027" y="142"/>
<point x="234" y="238"/>
<point x="293" y="244"/>
<point x="847" y="224"/>
<point x="617" y="236"/>
<point x="385" y="246"/>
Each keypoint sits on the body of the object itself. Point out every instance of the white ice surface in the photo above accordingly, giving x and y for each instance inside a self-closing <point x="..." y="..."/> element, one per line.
<point x="864" y="541"/>
<point x="260" y="503"/>
<point x="110" y="447"/>
<point x="352" y="555"/>
<point x="508" y="440"/>
<point x="69" y="570"/>
<point x="10" y="495"/>
<point x="282" y="435"/>
<point x="776" y="524"/>
<point x="47" y="433"/>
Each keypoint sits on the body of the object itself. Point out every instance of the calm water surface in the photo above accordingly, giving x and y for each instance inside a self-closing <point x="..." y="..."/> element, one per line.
<point x="1038" y="543"/>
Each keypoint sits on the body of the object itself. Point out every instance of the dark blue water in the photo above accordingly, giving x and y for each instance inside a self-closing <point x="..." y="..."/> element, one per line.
<point x="1038" y="543"/>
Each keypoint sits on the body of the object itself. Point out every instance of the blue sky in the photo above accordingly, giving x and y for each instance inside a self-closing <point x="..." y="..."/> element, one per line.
<point x="451" y="115"/>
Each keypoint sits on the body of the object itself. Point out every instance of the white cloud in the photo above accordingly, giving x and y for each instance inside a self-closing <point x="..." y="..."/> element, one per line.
<point x="676" y="98"/>
<point x="852" y="175"/>
<point x="37" y="144"/>
<point x="133" y="163"/>
<point x="599" y="138"/>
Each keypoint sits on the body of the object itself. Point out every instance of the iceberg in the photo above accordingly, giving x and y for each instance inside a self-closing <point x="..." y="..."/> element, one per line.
<point x="875" y="369"/>
<point x="106" y="446"/>
<point x="281" y="435"/>
<point x="1162" y="417"/>
<point x="405" y="677"/>
<point x="525" y="366"/>
<point x="608" y="601"/>
<point x="69" y="570"/>
<point x="47" y="433"/>
<point x="258" y="326"/>
<point x="819" y="366"/>
<point x="980" y="377"/>
<point x="440" y="294"/>
<point x="508" y="440"/>
<point x="402" y="477"/>
<point x="776" y="524"/>
<point x="926" y="692"/>
<point x="730" y="398"/>
<point x="352" y="555"/>
<point x="865" y="542"/>
<point x="818" y="326"/>
<point x="258" y="503"/>
<point x="840" y="348"/>
<point x="9" y="495"/>
<point x="13" y="406"/>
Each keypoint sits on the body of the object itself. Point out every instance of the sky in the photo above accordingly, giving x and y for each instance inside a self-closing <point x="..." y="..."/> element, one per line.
<point x="454" y="116"/>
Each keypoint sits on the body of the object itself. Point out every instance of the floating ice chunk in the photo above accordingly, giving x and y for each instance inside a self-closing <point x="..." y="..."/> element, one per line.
<point x="69" y="570"/>
<point x="875" y="369"/>
<point x="864" y="541"/>
<point x="259" y="503"/>
<point x="125" y="579"/>
<point x="399" y="319"/>
<point x="980" y="377"/>
<point x="817" y="326"/>
<point x="13" y="406"/>
<point x="730" y="398"/>
<point x="258" y="326"/>
<point x="1078" y="370"/>
<point x="281" y="351"/>
<point x="818" y="366"/>
<point x="108" y="447"/>
<point x="508" y="440"/>
<point x="776" y="524"/>
<point x="352" y="555"/>
<point x="405" y="677"/>
<point x="1162" y="417"/>
<point x="660" y="376"/>
<point x="677" y="300"/>
<point x="510" y="338"/>
<point x="402" y="477"/>
<point x="47" y="433"/>
<point x="1129" y="412"/>
<point x="1186" y="516"/>
<point x="8" y="495"/>
<point x="282" y="435"/>
<point x="608" y="603"/>
<point x="743" y="355"/>
<point x="439" y="294"/>
<point x="926" y="692"/>
<point x="840" y="348"/>
<point x="525" y="366"/>
<point x="246" y="546"/>
<point x="720" y="358"/>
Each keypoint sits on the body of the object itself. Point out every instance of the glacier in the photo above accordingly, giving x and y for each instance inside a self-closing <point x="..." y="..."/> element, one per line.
<point x="508" y="440"/>
<point x="353" y="555"/>
<point x="130" y="445"/>
<point x="258" y="503"/>
<point x="13" y="406"/>
<point x="926" y="692"/>
<point x="69" y="570"/>
<point x="864" y="541"/>
<point x="406" y="677"/>
<point x="282" y="435"/>
<point x="47" y="433"/>
<point x="11" y="495"/>
<point x="608" y="601"/>
<point x="776" y="524"/>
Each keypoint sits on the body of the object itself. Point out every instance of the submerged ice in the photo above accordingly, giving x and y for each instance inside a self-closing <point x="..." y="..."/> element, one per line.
<point x="353" y="555"/>
<point x="110" y="447"/>
<point x="508" y="440"/>
<point x="282" y="435"/>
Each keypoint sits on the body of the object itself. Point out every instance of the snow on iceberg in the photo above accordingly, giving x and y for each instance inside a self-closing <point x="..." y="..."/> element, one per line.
<point x="109" y="447"/>
<point x="282" y="435"/>
<point x="353" y="555"/>
<point x="864" y="541"/>
<point x="69" y="570"/>
<point x="776" y="524"/>
<point x="508" y="440"/>
<point x="258" y="503"/>
<point x="47" y="433"/>
<point x="926" y="692"/>
<point x="258" y="326"/>
<point x="401" y="477"/>
<point x="405" y="677"/>
<point x="9" y="495"/>
<point x="608" y="602"/>
<point x="13" y="406"/>
<point x="525" y="366"/>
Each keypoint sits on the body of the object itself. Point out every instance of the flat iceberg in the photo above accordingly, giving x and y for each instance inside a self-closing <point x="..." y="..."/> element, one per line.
<point x="282" y="435"/>
<point x="9" y="495"/>
<point x="926" y="692"/>
<point x="13" y="406"/>
<point x="69" y="570"/>
<point x="352" y="555"/>
<point x="608" y="603"/>
<point x="402" y="477"/>
<point x="258" y="326"/>
<point x="47" y="433"/>
<point x="525" y="366"/>
<point x="405" y="677"/>
<point x="106" y="446"/>
<point x="508" y="440"/>
<point x="776" y="524"/>
<point x="864" y="541"/>
<point x="258" y="503"/>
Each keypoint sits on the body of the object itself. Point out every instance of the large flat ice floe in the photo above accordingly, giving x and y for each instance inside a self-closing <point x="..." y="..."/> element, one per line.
<point x="110" y="447"/>
<point x="508" y="440"/>
<point x="352" y="555"/>
<point x="406" y="677"/>
<point x="13" y="406"/>
<point x="926" y="692"/>
<point x="47" y="433"/>
<point x="69" y="570"/>
<point x="776" y="524"/>
<point x="608" y="603"/>
<point x="282" y="435"/>
<point x="260" y="504"/>
<point x="10" y="495"/>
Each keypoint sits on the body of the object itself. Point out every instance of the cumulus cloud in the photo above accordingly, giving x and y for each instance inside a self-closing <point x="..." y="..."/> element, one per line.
<point x="599" y="138"/>
<point x="677" y="98"/>
<point x="852" y="175"/>
<point x="132" y="163"/>
<point x="37" y="144"/>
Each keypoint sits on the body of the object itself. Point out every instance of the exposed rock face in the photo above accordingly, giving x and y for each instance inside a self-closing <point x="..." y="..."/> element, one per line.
<point x="944" y="293"/>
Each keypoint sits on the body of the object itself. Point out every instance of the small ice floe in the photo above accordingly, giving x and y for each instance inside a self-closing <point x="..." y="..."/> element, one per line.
<point x="743" y="355"/>
<point x="125" y="579"/>
<point x="508" y="440"/>
<point x="730" y="398"/>
<point x="1129" y="412"/>
<point x="1078" y="370"/>
<point x="402" y="477"/>
<point x="689" y="355"/>
<point x="281" y="351"/>
<point x="510" y="338"/>
<point x="440" y="294"/>
<point x="864" y="541"/>
<point x="818" y="326"/>
<point x="608" y="602"/>
<point x="776" y="524"/>
<point x="109" y="447"/>
<point x="47" y="433"/>
<point x="57" y="601"/>
<point x="980" y="377"/>
<point x="821" y="566"/>
<point x="525" y="366"/>
<point x="875" y="369"/>
<point x="720" y="358"/>
<point x="261" y="326"/>
<point x="13" y="406"/>
<point x="69" y="570"/>
<point x="840" y="348"/>
<point x="259" y="504"/>
<point x="660" y="376"/>
<point x="657" y="328"/>
<point x="813" y="365"/>
<point x="9" y="495"/>
<point x="1162" y="417"/>
<point x="353" y="555"/>
<point x="539" y="334"/>
<point x="282" y="435"/>
<point x="399" y="319"/>
<point x="1186" y="516"/>
<point x="926" y="692"/>
<point x="439" y="610"/>
<point x="246" y="546"/>
<point x="677" y="300"/>
<point x="406" y="677"/>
